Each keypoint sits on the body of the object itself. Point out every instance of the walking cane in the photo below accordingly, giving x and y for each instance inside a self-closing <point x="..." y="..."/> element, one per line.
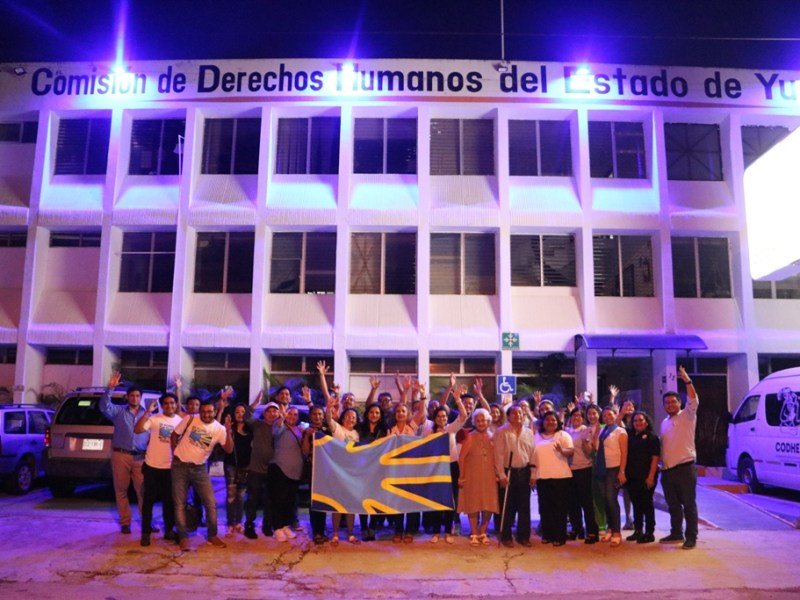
<point x="505" y="500"/>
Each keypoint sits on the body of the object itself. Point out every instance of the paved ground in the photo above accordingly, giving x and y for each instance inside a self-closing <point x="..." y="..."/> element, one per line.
<point x="55" y="549"/>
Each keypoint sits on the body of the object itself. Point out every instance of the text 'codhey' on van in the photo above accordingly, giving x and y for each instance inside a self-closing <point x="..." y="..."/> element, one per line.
<point x="764" y="434"/>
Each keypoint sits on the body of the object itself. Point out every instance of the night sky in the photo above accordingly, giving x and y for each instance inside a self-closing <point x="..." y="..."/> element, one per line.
<point x="731" y="33"/>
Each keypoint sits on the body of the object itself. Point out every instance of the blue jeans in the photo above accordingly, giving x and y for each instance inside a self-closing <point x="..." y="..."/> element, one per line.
<point x="609" y="484"/>
<point x="183" y="475"/>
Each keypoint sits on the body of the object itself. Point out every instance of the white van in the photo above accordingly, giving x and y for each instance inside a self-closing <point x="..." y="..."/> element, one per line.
<point x="764" y="434"/>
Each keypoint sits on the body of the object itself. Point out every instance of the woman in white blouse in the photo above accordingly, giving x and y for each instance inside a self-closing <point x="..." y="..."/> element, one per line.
<point x="345" y="431"/>
<point x="610" y="463"/>
<point x="551" y="458"/>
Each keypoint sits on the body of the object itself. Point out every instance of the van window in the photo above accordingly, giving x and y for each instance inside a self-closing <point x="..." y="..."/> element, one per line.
<point x="783" y="408"/>
<point x="747" y="411"/>
<point x="38" y="421"/>
<point x="15" y="422"/>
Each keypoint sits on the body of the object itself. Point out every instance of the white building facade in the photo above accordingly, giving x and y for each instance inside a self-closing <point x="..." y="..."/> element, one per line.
<point x="231" y="219"/>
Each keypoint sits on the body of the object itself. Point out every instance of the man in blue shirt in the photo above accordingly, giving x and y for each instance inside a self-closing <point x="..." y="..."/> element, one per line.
<point x="128" y="447"/>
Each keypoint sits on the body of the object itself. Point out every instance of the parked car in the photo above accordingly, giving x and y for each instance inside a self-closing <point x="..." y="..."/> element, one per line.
<point x="79" y="440"/>
<point x="764" y="434"/>
<point x="22" y="443"/>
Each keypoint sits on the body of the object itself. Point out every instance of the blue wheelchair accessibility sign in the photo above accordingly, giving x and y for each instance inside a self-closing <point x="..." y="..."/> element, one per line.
<point x="506" y="384"/>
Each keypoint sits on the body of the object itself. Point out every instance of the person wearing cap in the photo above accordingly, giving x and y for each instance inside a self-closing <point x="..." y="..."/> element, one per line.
<point x="260" y="457"/>
<point x="128" y="447"/>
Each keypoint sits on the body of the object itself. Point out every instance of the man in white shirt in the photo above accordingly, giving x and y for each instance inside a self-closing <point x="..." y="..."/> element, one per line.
<point x="678" y="455"/>
<point x="157" y="464"/>
<point x="193" y="441"/>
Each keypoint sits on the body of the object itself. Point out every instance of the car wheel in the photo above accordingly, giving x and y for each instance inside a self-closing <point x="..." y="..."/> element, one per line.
<point x="60" y="488"/>
<point x="22" y="480"/>
<point x="747" y="474"/>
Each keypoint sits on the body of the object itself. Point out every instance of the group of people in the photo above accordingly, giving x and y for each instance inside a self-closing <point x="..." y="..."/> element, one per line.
<point x="498" y="454"/>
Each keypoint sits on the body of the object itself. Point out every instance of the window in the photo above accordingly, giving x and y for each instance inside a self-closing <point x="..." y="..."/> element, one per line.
<point x="74" y="239"/>
<point x="616" y="150"/>
<point x="82" y="146"/>
<point x="553" y="372"/>
<point x="303" y="263"/>
<point x="465" y="370"/>
<point x="383" y="263"/>
<point x="539" y="148"/>
<point x="783" y="409"/>
<point x="296" y="370"/>
<point x="224" y="262"/>
<point x="769" y="363"/>
<point x="623" y="266"/>
<point x="155" y="146"/>
<point x="385" y="146"/>
<point x="757" y="140"/>
<point x="14" y="422"/>
<point x="785" y="289"/>
<point x="148" y="262"/>
<point x="462" y="147"/>
<point x="463" y="263"/>
<point x="700" y="267"/>
<point x="148" y="368"/>
<point x="8" y="355"/>
<point x="308" y="146"/>
<point x="543" y="260"/>
<point x="376" y="365"/>
<point x="214" y="370"/>
<point x="37" y="421"/>
<point x="13" y="239"/>
<point x="69" y="356"/>
<point x="231" y="146"/>
<point x="24" y="132"/>
<point x="693" y="152"/>
<point x="747" y="411"/>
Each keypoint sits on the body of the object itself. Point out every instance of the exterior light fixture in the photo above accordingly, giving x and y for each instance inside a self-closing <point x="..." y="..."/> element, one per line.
<point x="502" y="67"/>
<point x="20" y="71"/>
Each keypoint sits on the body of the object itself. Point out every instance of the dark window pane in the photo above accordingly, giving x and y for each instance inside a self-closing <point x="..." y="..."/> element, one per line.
<point x="715" y="276"/>
<point x="10" y="132"/>
<point x="445" y="263"/>
<point x="401" y="263"/>
<point x="606" y="265"/>
<point x="292" y="152"/>
<point x="478" y="146"/>
<point x="286" y="363"/>
<point x="365" y="364"/>
<point x="171" y="149"/>
<point x="368" y="146"/>
<point x="762" y="289"/>
<point x="630" y="154"/>
<point x="445" y="365"/>
<point x="601" y="149"/>
<point x="637" y="266"/>
<point x="210" y="263"/>
<point x="30" y="130"/>
<point x="287" y="252"/>
<point x="145" y="146"/>
<point x="136" y="242"/>
<point x="97" y="152"/>
<point x="401" y="146"/>
<point x="165" y="241"/>
<point x="693" y="152"/>
<point x="400" y="364"/>
<point x="757" y="140"/>
<point x="555" y="148"/>
<point x="324" y="145"/>
<point x="217" y="146"/>
<point x="445" y="147"/>
<point x="480" y="366"/>
<point x="248" y="137"/>
<point x="320" y="269"/>
<point x="479" y="264"/>
<point x="240" y="262"/>
<point x="788" y="288"/>
<point x="163" y="272"/>
<point x="558" y="260"/>
<point x="683" y="267"/>
<point x="525" y="261"/>
<point x="365" y="263"/>
<point x="134" y="273"/>
<point x="522" y="148"/>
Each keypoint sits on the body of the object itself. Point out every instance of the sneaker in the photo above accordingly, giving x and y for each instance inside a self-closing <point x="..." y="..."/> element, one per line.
<point x="289" y="533"/>
<point x="184" y="544"/>
<point x="145" y="541"/>
<point x="126" y="529"/>
<point x="280" y="535"/>
<point x="689" y="544"/>
<point x="671" y="539"/>
<point x="215" y="541"/>
<point x="250" y="532"/>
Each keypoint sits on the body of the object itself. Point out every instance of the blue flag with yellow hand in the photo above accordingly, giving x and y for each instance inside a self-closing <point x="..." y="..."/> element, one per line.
<point x="391" y="475"/>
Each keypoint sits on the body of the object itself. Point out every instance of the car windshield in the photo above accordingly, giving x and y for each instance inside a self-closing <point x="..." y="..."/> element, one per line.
<point x="84" y="410"/>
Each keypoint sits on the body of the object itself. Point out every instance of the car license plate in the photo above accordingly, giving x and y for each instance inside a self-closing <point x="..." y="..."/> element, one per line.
<point x="92" y="445"/>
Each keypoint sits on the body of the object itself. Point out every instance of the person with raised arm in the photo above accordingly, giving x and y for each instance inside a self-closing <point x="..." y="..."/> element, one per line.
<point x="285" y="471"/>
<point x="342" y="424"/>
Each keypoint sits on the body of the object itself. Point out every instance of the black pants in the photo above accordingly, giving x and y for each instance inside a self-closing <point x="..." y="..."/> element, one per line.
<point x="317" y="519"/>
<point x="445" y="518"/>
<point x="157" y="488"/>
<point x="283" y="492"/>
<point x="644" y="513"/>
<point x="680" y="491"/>
<point x="411" y="522"/>
<point x="258" y="498"/>
<point x="581" y="501"/>
<point x="517" y="504"/>
<point x="553" y="508"/>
